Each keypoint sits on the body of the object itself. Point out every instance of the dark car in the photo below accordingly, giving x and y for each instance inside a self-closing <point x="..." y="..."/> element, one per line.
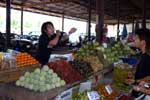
<point x="23" y="45"/>
<point x="17" y="42"/>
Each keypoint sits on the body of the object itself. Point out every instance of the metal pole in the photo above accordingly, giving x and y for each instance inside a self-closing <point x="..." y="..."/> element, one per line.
<point x="133" y="26"/>
<point x="63" y="22"/>
<point x="118" y="18"/>
<point x="89" y="20"/>
<point x="8" y="23"/>
<point x="137" y="25"/>
<point x="144" y="15"/>
<point x="22" y="20"/>
<point x="99" y="20"/>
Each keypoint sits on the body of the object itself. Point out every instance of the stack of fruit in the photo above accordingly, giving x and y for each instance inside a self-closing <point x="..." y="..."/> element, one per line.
<point x="40" y="80"/>
<point x="91" y="54"/>
<point x="80" y="96"/>
<point x="121" y="73"/>
<point x="95" y="63"/>
<point x="103" y="91"/>
<point x="117" y="51"/>
<point x="89" y="49"/>
<point x="110" y="55"/>
<point x="24" y="59"/>
<point x="84" y="68"/>
<point x="106" y="56"/>
<point x="1" y="56"/>
<point x="65" y="71"/>
<point x="121" y="50"/>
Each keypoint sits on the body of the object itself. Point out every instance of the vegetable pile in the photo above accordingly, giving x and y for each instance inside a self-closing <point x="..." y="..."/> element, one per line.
<point x="40" y="80"/>
<point x="83" y="67"/>
<point x="65" y="71"/>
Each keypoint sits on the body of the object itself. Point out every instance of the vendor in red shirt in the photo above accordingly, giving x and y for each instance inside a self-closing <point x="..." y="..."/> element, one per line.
<point x="130" y="38"/>
<point x="105" y="32"/>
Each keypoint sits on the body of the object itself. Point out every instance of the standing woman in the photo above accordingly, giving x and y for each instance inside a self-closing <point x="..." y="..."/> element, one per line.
<point x="46" y="41"/>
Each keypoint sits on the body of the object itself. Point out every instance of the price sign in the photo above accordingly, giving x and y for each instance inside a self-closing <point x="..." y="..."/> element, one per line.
<point x="93" y="95"/>
<point x="108" y="89"/>
<point x="85" y="86"/>
<point x="66" y="95"/>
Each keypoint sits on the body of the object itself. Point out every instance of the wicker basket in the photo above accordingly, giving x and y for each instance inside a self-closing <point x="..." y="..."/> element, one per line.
<point x="12" y="75"/>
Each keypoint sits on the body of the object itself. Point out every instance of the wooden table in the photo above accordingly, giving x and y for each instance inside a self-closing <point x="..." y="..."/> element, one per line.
<point x="20" y="93"/>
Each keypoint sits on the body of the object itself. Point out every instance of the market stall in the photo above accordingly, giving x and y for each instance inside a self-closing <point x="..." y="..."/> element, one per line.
<point x="20" y="93"/>
<point x="89" y="67"/>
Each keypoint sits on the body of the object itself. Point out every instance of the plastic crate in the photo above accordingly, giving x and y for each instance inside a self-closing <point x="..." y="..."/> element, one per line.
<point x="131" y="61"/>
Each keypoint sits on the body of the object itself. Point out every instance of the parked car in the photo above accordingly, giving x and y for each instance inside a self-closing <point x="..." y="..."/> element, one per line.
<point x="23" y="45"/>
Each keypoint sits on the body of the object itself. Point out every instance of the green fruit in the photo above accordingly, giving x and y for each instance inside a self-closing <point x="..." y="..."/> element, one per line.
<point x="45" y="68"/>
<point x="37" y="70"/>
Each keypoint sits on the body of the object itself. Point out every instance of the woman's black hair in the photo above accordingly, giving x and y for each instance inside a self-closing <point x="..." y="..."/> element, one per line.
<point x="44" y="27"/>
<point x="144" y="34"/>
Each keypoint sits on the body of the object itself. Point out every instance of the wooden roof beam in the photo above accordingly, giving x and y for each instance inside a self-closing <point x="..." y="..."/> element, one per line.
<point x="43" y="3"/>
<point x="23" y="2"/>
<point x="84" y="4"/>
<point x="135" y="6"/>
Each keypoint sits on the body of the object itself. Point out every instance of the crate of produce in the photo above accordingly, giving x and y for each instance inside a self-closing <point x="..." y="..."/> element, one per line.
<point x="122" y="72"/>
<point x="11" y="75"/>
<point x="65" y="71"/>
<point x="107" y="92"/>
<point x="41" y="80"/>
<point x="131" y="61"/>
<point x="24" y="59"/>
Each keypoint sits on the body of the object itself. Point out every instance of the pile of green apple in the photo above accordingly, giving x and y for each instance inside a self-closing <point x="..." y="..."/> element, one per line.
<point x="90" y="53"/>
<point x="110" y="55"/>
<point x="80" y="96"/>
<point x="106" y="55"/>
<point x="122" y="50"/>
<point x="40" y="80"/>
<point x="88" y="49"/>
<point x="118" y="50"/>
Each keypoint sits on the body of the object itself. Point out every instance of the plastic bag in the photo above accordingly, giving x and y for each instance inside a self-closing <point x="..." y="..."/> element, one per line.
<point x="8" y="62"/>
<point x="1" y="57"/>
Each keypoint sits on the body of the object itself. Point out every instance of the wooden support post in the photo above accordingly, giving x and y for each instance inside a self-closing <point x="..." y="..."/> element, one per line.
<point x="63" y="23"/>
<point x="89" y="20"/>
<point x="8" y="23"/>
<point x="144" y="15"/>
<point x="133" y="28"/>
<point x="118" y="18"/>
<point x="22" y="20"/>
<point x="99" y="20"/>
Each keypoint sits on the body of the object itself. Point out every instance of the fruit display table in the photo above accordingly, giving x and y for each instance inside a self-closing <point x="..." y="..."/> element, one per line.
<point x="62" y="50"/>
<point x="68" y="57"/>
<point x="19" y="93"/>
